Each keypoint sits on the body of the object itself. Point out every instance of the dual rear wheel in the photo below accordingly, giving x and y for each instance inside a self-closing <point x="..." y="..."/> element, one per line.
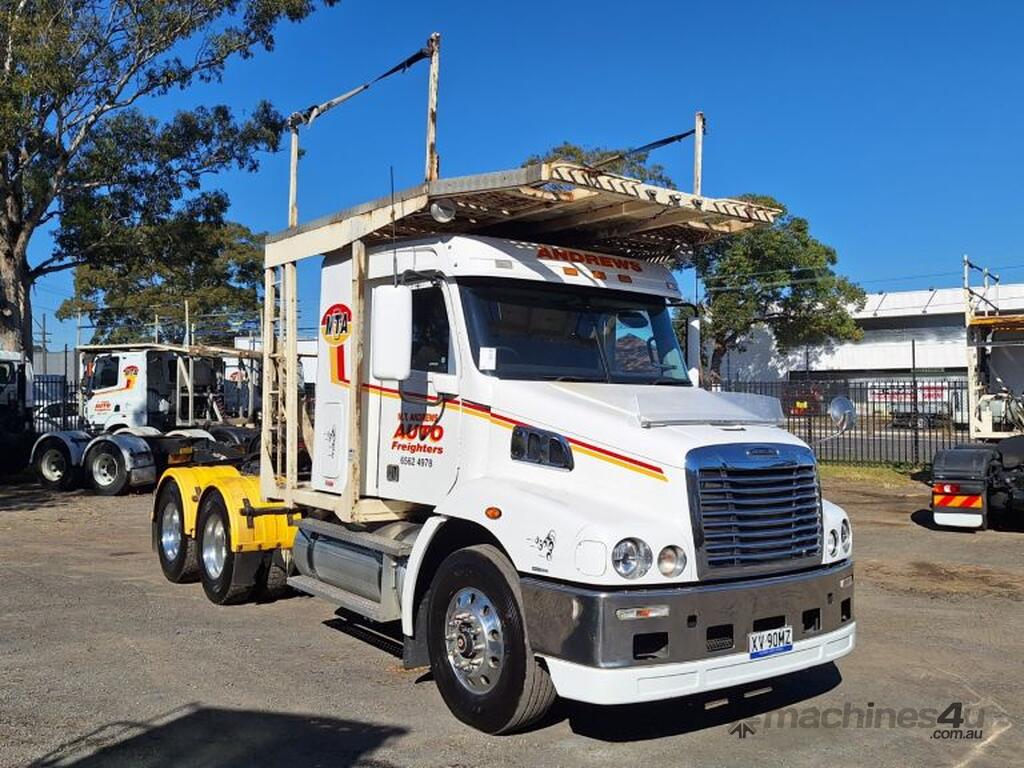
<point x="227" y="576"/>
<point x="478" y="647"/>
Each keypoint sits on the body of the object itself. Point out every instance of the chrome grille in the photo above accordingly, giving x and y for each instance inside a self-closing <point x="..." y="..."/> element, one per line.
<point x="754" y="513"/>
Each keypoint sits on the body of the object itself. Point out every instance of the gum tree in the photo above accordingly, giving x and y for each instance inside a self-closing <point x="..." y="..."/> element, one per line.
<point x="76" y="152"/>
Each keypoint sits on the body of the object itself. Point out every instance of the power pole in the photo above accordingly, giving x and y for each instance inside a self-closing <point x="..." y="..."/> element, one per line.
<point x="43" y="342"/>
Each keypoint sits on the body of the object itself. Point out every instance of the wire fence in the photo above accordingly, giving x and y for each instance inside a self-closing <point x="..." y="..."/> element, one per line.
<point x="898" y="421"/>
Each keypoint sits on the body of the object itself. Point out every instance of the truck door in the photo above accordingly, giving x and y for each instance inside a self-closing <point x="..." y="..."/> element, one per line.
<point x="420" y="430"/>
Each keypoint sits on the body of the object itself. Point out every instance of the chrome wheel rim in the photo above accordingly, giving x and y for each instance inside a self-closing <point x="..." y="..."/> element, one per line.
<point x="104" y="470"/>
<point x="53" y="465"/>
<point x="215" y="546"/>
<point x="474" y="640"/>
<point x="170" y="531"/>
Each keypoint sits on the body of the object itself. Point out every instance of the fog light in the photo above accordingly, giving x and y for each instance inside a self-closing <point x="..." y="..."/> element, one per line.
<point x="844" y="536"/>
<point x="631" y="558"/>
<point x="671" y="561"/>
<point x="833" y="543"/>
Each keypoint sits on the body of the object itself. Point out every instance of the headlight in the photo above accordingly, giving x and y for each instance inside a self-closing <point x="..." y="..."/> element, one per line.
<point x="844" y="536"/>
<point x="671" y="561"/>
<point x="631" y="558"/>
<point x="833" y="543"/>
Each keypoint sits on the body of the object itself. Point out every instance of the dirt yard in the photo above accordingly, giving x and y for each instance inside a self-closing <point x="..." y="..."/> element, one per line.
<point x="104" y="663"/>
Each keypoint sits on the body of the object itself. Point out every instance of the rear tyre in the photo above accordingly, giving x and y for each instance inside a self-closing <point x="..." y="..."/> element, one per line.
<point x="177" y="552"/>
<point x="479" y="652"/>
<point x="106" y="469"/>
<point x="218" y="565"/>
<point x="53" y="466"/>
<point x="272" y="579"/>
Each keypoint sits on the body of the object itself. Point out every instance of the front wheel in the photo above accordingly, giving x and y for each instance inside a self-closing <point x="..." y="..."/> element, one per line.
<point x="107" y="471"/>
<point x="479" y="652"/>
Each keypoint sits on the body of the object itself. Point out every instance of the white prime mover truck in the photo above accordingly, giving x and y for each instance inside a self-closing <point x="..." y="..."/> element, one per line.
<point x="513" y="461"/>
<point x="144" y="406"/>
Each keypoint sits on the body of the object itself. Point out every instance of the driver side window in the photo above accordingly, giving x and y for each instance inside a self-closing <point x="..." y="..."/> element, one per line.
<point x="430" y="332"/>
<point x="106" y="375"/>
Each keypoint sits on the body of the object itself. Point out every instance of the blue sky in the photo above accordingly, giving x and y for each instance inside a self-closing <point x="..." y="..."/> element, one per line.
<point x="895" y="128"/>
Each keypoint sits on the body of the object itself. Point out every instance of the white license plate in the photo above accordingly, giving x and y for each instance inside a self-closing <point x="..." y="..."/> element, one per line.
<point x="770" y="641"/>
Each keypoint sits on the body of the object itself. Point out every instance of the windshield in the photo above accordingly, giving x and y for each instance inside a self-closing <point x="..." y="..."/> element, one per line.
<point x="529" y="330"/>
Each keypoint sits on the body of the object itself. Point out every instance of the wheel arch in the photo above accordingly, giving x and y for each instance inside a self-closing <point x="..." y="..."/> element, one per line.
<point x="440" y="537"/>
<point x="193" y="483"/>
<point x="73" y="440"/>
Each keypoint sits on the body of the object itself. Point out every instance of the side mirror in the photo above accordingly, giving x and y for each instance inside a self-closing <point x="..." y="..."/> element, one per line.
<point x="693" y="349"/>
<point x="843" y="414"/>
<point x="391" y="332"/>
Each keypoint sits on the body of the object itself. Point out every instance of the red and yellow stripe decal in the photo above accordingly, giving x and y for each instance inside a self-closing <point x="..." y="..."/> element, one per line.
<point x="484" y="412"/>
<point x="958" y="501"/>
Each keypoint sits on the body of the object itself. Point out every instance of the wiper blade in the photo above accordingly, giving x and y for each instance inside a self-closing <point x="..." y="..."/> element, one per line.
<point x="571" y="378"/>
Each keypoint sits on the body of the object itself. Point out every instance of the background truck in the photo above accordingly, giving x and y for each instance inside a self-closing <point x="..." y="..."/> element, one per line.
<point x="970" y="482"/>
<point x="512" y="464"/>
<point x="144" y="406"/>
<point x="16" y="404"/>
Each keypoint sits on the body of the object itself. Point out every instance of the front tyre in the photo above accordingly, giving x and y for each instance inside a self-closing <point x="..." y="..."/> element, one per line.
<point x="177" y="552"/>
<point x="479" y="652"/>
<point x="219" y="568"/>
<point x="106" y="469"/>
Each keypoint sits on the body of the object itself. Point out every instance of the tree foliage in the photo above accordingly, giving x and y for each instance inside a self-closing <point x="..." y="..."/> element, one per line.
<point x="781" y="277"/>
<point x="74" y="145"/>
<point x="194" y="255"/>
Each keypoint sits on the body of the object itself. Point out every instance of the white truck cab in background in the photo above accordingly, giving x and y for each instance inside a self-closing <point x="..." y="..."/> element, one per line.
<point x="141" y="403"/>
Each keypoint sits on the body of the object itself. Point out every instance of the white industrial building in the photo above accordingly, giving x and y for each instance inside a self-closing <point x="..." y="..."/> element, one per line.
<point x="903" y="330"/>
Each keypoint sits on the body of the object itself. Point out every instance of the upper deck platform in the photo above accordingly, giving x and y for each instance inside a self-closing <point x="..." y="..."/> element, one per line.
<point x="552" y="203"/>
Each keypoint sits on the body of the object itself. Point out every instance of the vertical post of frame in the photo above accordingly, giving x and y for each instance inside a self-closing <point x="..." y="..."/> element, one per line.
<point x="433" y="164"/>
<point x="268" y="481"/>
<point x="698" y="153"/>
<point x="291" y="366"/>
<point x="360" y="328"/>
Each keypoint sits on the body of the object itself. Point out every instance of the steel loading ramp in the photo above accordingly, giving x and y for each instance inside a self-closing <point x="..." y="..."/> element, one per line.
<point x="554" y="203"/>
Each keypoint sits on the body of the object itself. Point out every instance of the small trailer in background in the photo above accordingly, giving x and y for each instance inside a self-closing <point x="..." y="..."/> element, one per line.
<point x="146" y="406"/>
<point x="972" y="481"/>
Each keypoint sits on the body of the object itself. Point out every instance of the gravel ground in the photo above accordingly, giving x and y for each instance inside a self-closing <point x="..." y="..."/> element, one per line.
<point x="102" y="662"/>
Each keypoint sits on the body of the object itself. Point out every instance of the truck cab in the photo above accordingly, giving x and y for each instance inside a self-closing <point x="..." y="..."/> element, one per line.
<point x="146" y="405"/>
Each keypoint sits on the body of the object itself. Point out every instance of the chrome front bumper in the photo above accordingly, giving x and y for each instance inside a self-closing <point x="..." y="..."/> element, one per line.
<point x="581" y="625"/>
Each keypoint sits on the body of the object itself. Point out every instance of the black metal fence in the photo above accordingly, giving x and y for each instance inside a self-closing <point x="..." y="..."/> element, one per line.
<point x="898" y="422"/>
<point x="55" y="404"/>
